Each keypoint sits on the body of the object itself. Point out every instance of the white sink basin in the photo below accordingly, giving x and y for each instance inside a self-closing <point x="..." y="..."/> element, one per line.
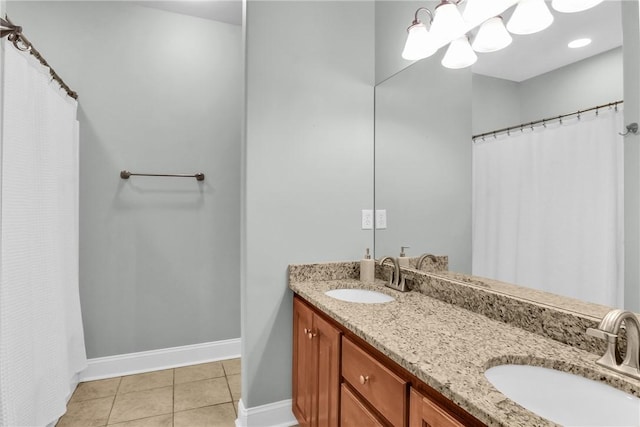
<point x="360" y="295"/>
<point x="564" y="398"/>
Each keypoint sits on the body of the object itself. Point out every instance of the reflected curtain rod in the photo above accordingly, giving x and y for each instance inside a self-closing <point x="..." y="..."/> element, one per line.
<point x="13" y="33"/>
<point x="544" y="122"/>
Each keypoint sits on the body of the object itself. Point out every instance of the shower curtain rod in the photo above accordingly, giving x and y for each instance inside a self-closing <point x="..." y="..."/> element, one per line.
<point x="13" y="33"/>
<point x="544" y="122"/>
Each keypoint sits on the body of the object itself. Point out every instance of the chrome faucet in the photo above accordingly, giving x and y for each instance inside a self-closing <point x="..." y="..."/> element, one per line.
<point x="396" y="279"/>
<point x="423" y="257"/>
<point x="608" y="330"/>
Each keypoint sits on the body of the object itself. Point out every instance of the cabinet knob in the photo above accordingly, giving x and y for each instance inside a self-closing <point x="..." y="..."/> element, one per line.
<point x="311" y="335"/>
<point x="306" y="331"/>
<point x="364" y="379"/>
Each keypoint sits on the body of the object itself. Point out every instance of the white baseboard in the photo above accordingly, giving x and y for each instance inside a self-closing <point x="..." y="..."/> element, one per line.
<point x="277" y="414"/>
<point x="145" y="361"/>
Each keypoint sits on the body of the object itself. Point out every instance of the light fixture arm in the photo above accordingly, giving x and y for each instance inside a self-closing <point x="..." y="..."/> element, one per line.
<point x="416" y="21"/>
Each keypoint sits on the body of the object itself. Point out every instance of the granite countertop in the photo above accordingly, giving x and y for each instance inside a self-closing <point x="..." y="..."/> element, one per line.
<point x="449" y="348"/>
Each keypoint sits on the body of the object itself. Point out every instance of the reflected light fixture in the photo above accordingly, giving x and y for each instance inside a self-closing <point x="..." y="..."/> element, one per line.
<point x="492" y="36"/>
<point x="530" y="16"/>
<point x="459" y="54"/>
<point x="575" y="44"/>
<point x="420" y="43"/>
<point x="447" y="21"/>
<point x="570" y="6"/>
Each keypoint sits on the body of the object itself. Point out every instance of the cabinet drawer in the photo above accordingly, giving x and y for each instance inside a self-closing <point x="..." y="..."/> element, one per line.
<point x="353" y="413"/>
<point x="424" y="412"/>
<point x="383" y="389"/>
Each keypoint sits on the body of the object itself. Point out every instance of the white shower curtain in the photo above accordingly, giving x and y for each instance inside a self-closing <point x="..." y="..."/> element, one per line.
<point x="548" y="208"/>
<point x="41" y="337"/>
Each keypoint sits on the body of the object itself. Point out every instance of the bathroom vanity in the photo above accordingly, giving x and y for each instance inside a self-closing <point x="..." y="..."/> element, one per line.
<point x="339" y="379"/>
<point x="420" y="359"/>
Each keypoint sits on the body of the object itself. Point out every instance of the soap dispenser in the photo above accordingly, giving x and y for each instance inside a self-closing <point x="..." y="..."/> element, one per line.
<point x="403" y="260"/>
<point x="367" y="269"/>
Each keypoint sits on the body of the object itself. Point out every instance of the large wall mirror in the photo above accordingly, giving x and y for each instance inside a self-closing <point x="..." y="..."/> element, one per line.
<point x="426" y="116"/>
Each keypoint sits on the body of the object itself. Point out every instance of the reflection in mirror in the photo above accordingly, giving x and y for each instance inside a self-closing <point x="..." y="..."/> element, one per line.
<point x="433" y="183"/>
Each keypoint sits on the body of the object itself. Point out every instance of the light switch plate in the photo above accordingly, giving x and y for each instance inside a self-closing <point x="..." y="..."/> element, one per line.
<point x="367" y="219"/>
<point x="381" y="219"/>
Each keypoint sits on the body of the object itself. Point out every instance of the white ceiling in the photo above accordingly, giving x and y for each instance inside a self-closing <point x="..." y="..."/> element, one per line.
<point x="229" y="11"/>
<point x="535" y="54"/>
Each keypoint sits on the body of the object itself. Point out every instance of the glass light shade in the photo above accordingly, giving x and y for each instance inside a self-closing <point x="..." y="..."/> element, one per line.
<point x="478" y="11"/>
<point x="530" y="17"/>
<point x="419" y="43"/>
<point x="447" y="23"/>
<point x="578" y="43"/>
<point x="492" y="36"/>
<point x="459" y="54"/>
<point x="570" y="6"/>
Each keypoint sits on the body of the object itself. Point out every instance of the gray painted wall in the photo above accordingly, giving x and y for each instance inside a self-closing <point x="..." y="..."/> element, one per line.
<point x="159" y="92"/>
<point x="587" y="83"/>
<point x="423" y="162"/>
<point x="308" y="164"/>
<point x="631" y="34"/>
<point x="495" y="104"/>
<point x="499" y="103"/>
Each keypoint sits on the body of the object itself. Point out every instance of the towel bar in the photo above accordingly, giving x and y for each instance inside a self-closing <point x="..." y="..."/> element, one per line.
<point x="126" y="174"/>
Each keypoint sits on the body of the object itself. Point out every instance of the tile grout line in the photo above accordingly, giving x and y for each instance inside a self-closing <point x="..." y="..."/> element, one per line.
<point x="226" y="378"/>
<point x="113" y="402"/>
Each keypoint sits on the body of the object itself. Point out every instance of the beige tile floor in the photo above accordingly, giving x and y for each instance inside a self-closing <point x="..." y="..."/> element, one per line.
<point x="204" y="395"/>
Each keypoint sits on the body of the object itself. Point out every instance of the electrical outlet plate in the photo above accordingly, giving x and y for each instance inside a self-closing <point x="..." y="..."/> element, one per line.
<point x="381" y="219"/>
<point x="367" y="219"/>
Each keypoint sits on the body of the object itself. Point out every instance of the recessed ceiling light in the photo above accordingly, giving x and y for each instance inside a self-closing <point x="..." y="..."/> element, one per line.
<point x="579" y="43"/>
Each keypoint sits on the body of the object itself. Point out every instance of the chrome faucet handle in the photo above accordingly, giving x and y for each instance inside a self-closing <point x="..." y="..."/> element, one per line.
<point x="603" y="335"/>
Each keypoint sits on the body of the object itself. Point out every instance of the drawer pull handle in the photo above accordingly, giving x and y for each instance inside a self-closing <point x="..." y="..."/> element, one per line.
<point x="364" y="379"/>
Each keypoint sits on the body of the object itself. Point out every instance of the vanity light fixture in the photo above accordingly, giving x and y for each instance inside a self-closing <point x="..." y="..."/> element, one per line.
<point x="492" y="36"/>
<point x="575" y="44"/>
<point x="530" y="16"/>
<point x="570" y="6"/>
<point x="447" y="21"/>
<point x="459" y="54"/>
<point x="420" y="43"/>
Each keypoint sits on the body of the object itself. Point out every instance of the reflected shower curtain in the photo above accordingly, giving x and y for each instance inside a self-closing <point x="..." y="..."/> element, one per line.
<point x="41" y="337"/>
<point x="548" y="208"/>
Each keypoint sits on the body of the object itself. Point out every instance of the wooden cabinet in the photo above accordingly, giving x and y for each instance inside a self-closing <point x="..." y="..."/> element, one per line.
<point x="426" y="413"/>
<point x="316" y="368"/>
<point x="341" y="380"/>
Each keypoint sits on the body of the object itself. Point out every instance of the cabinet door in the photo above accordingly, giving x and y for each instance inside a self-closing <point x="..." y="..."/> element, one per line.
<point x="424" y="413"/>
<point x="303" y="372"/>
<point x="353" y="413"/>
<point x="328" y="373"/>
